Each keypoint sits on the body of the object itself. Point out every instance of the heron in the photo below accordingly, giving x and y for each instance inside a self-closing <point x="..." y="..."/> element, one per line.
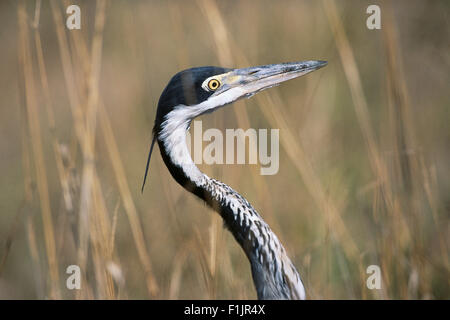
<point x="192" y="93"/>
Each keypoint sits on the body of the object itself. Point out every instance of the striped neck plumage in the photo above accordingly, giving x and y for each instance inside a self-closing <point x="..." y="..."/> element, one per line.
<point x="274" y="275"/>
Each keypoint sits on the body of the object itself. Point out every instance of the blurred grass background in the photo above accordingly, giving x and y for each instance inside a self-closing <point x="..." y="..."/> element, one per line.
<point x="364" y="173"/>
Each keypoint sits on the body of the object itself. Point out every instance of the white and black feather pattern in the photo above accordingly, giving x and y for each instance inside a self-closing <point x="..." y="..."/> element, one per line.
<point x="274" y="274"/>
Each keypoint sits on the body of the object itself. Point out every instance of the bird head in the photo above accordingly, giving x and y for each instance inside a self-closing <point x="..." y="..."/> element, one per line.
<point x="193" y="92"/>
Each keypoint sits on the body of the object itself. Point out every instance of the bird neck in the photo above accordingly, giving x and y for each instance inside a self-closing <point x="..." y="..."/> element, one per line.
<point x="274" y="275"/>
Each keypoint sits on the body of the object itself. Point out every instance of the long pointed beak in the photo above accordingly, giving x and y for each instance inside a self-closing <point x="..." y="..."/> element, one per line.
<point x="254" y="79"/>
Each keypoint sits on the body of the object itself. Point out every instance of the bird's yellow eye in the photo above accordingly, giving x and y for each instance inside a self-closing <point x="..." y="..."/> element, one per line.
<point x="213" y="84"/>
